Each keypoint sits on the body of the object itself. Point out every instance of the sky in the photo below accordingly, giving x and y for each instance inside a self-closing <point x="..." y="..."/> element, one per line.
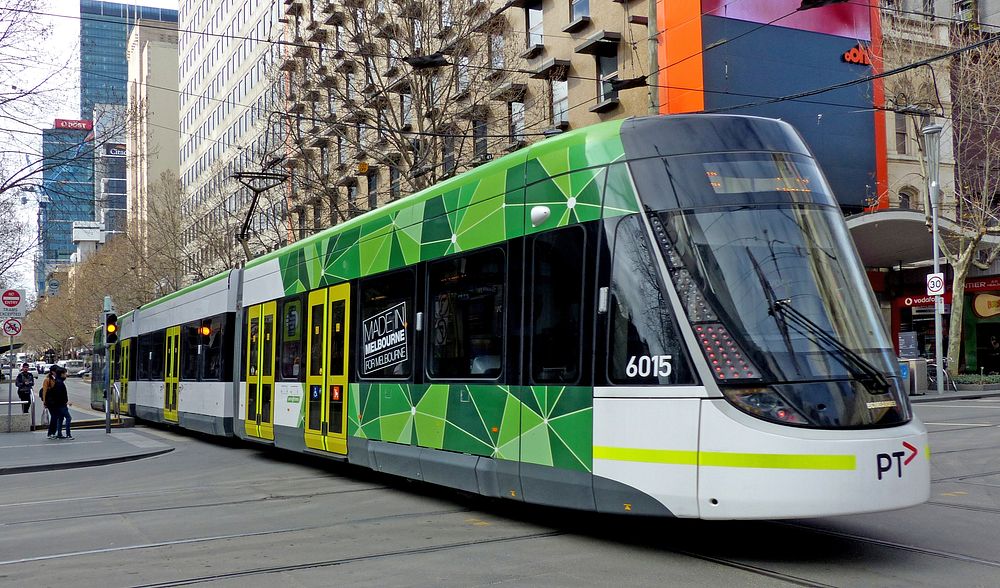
<point x="64" y="17"/>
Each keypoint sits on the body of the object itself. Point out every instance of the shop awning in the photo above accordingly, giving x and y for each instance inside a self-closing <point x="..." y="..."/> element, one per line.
<point x="890" y="238"/>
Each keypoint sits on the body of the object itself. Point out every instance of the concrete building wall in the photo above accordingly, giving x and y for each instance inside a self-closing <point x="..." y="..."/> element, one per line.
<point x="153" y="143"/>
<point x="225" y="52"/>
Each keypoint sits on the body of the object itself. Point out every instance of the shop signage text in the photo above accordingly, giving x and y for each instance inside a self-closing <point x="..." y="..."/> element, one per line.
<point x="858" y="55"/>
<point x="75" y="125"/>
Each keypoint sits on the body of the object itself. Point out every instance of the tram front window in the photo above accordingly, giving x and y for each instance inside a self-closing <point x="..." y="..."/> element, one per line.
<point x="779" y="281"/>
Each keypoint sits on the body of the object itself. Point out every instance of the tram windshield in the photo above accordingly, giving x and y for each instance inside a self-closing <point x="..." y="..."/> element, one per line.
<point x="781" y="283"/>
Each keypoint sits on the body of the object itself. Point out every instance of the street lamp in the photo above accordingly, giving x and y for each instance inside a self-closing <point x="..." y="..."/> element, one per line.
<point x="68" y="339"/>
<point x="932" y="141"/>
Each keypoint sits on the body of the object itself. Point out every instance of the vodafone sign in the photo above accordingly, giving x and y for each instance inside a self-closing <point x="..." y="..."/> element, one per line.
<point x="75" y="125"/>
<point x="13" y="304"/>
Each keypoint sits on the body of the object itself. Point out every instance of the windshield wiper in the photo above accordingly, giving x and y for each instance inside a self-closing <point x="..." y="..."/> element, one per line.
<point x="786" y="315"/>
<point x="866" y="373"/>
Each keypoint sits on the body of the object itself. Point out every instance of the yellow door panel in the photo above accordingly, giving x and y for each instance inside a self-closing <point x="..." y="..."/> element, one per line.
<point x="265" y="403"/>
<point x="171" y="372"/>
<point x="335" y="392"/>
<point x="253" y="371"/>
<point x="315" y="414"/>
<point x="126" y="358"/>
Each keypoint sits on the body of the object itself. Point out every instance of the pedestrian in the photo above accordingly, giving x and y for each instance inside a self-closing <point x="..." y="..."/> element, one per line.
<point x="47" y="384"/>
<point x="25" y="383"/>
<point x="58" y="403"/>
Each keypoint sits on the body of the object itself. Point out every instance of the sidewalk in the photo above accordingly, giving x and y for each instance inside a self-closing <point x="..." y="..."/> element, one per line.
<point x="33" y="452"/>
<point x="933" y="396"/>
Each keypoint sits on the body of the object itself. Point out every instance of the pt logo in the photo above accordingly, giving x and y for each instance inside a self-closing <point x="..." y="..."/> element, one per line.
<point x="886" y="462"/>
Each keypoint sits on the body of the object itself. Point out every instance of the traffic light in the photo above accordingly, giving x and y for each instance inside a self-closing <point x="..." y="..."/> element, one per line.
<point x="111" y="329"/>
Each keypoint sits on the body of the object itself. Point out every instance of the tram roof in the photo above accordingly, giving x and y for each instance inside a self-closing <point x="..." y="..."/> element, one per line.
<point x="577" y="149"/>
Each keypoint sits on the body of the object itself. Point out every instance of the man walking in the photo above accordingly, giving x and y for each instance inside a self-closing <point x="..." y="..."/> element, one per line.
<point x="57" y="401"/>
<point x="25" y="383"/>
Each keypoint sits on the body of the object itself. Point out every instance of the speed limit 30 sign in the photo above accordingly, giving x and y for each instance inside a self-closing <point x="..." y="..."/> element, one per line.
<point x="935" y="284"/>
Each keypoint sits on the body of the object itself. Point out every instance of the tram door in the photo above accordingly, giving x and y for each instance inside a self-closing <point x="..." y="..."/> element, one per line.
<point x="326" y="375"/>
<point x="260" y="370"/>
<point x="170" y="374"/>
<point x="112" y="370"/>
<point x="123" y="371"/>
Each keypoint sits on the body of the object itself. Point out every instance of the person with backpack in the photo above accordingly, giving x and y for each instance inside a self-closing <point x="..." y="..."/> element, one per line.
<point x="25" y="382"/>
<point x="57" y="401"/>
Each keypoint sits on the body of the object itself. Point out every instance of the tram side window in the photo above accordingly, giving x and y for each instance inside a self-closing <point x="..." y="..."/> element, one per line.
<point x="156" y="351"/>
<point x="190" y="339"/>
<point x="291" y="341"/>
<point x="142" y="349"/>
<point x="644" y="346"/>
<point x="213" y="348"/>
<point x="557" y="275"/>
<point x="387" y="326"/>
<point x="466" y="326"/>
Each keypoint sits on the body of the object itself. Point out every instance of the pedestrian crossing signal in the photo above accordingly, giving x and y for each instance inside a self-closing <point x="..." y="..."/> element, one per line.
<point x="111" y="329"/>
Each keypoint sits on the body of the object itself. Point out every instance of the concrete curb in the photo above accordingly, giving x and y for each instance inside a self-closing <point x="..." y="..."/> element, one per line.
<point x="933" y="397"/>
<point x="70" y="465"/>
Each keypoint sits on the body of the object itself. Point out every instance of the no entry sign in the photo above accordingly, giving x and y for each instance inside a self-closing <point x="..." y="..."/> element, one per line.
<point x="13" y="305"/>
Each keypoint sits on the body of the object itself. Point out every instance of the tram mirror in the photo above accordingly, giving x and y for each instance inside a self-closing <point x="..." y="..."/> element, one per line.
<point x="539" y="214"/>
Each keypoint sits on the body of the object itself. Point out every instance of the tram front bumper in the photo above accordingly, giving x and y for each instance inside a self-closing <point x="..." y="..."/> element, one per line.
<point x="752" y="469"/>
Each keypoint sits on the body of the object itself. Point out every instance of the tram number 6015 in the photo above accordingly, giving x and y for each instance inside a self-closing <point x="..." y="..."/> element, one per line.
<point x="644" y="366"/>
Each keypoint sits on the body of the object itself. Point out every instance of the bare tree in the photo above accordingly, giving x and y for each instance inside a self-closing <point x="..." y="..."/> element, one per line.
<point x="976" y="130"/>
<point x="395" y="97"/>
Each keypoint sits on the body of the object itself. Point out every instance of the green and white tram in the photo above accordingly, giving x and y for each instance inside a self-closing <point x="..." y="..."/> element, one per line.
<point x="661" y="316"/>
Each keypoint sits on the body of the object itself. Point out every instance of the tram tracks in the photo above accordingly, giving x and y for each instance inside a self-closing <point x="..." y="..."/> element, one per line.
<point x="230" y="536"/>
<point x="185" y="507"/>
<point x="428" y="549"/>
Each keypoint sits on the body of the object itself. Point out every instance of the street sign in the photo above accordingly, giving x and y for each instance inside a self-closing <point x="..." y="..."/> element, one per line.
<point x="12" y="327"/>
<point x="13" y="304"/>
<point x="935" y="284"/>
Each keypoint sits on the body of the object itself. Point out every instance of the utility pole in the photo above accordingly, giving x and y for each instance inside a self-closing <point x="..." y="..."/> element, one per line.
<point x="932" y="139"/>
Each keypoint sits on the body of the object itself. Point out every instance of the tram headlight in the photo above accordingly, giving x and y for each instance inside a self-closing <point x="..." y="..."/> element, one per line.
<point x="765" y="403"/>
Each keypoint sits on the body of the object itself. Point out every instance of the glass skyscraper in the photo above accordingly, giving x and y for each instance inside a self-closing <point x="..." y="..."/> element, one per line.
<point x="67" y="196"/>
<point x="104" y="30"/>
<point x="68" y="179"/>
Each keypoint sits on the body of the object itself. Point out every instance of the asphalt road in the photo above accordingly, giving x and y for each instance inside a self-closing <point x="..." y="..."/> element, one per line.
<point x="220" y="514"/>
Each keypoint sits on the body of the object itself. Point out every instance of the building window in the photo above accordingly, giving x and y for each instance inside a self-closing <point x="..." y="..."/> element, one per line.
<point x="448" y="153"/>
<point x="324" y="162"/>
<point x="900" y="133"/>
<point x="317" y="212"/>
<point x="301" y="214"/>
<point x="406" y="109"/>
<point x="349" y="85"/>
<point x="394" y="190"/>
<point x="607" y="69"/>
<point x="496" y="51"/>
<point x="578" y="9"/>
<point x="372" y="179"/>
<point x="906" y="198"/>
<point x="446" y="17"/>
<point x="533" y="18"/>
<point x="515" y="120"/>
<point x="560" y="102"/>
<point x="341" y="151"/>
<point x="462" y="75"/>
<point x="352" y="199"/>
<point x="479" y="138"/>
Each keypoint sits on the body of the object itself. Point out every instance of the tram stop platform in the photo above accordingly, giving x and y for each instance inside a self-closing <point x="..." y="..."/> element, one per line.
<point x="34" y="452"/>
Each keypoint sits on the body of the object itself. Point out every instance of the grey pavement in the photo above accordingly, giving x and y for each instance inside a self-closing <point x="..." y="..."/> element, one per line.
<point x="34" y="452"/>
<point x="933" y="396"/>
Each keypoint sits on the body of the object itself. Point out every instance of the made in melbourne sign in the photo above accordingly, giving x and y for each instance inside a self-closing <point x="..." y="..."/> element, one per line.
<point x="384" y="339"/>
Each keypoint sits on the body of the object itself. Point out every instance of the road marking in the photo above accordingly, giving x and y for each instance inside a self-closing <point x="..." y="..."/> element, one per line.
<point x="955" y="493"/>
<point x="962" y="424"/>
